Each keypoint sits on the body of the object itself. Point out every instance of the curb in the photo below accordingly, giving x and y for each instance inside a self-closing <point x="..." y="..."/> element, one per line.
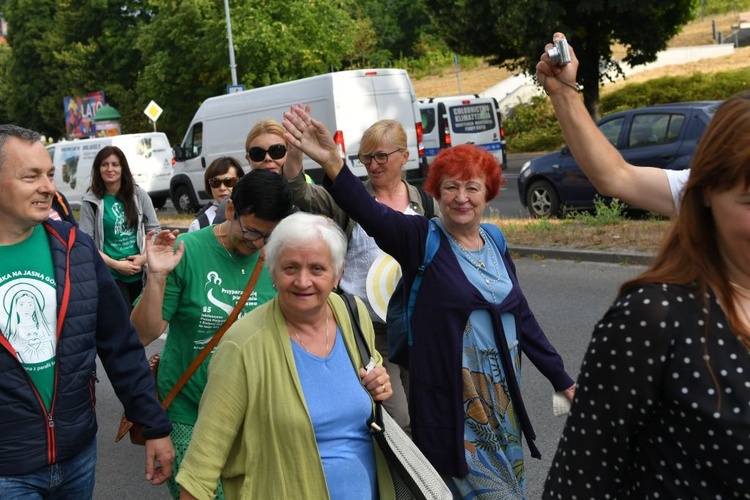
<point x="626" y="258"/>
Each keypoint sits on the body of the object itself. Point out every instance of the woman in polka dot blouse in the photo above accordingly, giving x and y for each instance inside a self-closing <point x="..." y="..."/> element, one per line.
<point x="662" y="408"/>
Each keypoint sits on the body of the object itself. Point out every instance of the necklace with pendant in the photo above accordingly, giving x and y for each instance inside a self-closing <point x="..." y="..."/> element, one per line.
<point x="475" y="261"/>
<point x="299" y="339"/>
<point x="222" y="242"/>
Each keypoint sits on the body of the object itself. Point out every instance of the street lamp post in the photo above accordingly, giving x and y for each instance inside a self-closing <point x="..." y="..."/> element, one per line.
<point x="232" y="65"/>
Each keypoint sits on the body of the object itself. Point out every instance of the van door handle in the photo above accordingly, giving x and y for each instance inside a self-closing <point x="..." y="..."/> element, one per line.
<point x="203" y="162"/>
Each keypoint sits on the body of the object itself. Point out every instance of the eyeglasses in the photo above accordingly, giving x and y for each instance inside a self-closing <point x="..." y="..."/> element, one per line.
<point x="251" y="235"/>
<point x="276" y="152"/>
<point x="380" y="158"/>
<point x="229" y="182"/>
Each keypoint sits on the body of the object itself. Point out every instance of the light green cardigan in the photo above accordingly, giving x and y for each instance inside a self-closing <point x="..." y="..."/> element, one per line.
<point x="253" y="426"/>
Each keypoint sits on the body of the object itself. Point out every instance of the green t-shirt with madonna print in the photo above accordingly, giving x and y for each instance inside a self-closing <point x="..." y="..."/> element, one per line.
<point x="29" y="316"/>
<point x="120" y="241"/>
<point x="200" y="294"/>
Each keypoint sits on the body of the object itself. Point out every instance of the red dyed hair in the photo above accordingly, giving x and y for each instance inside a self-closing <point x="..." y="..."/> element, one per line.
<point x="465" y="162"/>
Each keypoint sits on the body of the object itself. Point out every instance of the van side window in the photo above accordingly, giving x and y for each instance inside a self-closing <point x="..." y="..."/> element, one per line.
<point x="428" y="120"/>
<point x="194" y="141"/>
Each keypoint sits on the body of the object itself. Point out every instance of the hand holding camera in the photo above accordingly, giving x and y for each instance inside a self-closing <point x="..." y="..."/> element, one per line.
<point x="559" y="54"/>
<point x="557" y="66"/>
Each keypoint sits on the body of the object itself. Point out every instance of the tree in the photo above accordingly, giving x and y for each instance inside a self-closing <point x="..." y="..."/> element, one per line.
<point x="513" y="34"/>
<point x="399" y="26"/>
<point x="185" y="53"/>
<point x="70" y="48"/>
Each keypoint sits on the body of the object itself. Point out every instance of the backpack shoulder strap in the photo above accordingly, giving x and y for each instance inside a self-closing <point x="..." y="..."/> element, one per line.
<point x="496" y="235"/>
<point x="427" y="202"/>
<point x="431" y="246"/>
<point x="430" y="249"/>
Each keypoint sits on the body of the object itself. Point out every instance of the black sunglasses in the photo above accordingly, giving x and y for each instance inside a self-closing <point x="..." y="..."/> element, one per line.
<point x="229" y="182"/>
<point x="277" y="151"/>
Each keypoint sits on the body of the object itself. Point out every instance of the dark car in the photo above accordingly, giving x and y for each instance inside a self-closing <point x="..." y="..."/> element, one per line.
<point x="659" y="136"/>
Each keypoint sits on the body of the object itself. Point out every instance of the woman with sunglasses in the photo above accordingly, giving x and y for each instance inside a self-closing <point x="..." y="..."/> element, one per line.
<point x="383" y="151"/>
<point x="220" y="177"/>
<point x="195" y="282"/>
<point x="266" y="147"/>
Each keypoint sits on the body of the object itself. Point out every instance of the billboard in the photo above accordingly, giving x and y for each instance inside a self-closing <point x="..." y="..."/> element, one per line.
<point x="79" y="114"/>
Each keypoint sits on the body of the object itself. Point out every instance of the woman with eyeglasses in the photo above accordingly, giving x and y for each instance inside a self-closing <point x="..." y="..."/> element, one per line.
<point x="220" y="177"/>
<point x="383" y="151"/>
<point x="194" y="283"/>
<point x="117" y="214"/>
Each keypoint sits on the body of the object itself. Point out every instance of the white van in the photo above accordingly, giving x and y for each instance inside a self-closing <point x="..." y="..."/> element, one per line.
<point x="149" y="157"/>
<point x="347" y="102"/>
<point x="453" y="120"/>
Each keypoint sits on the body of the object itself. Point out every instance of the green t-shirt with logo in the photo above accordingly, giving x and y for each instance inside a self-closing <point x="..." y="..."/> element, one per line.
<point x="120" y="241"/>
<point x="29" y="315"/>
<point x="200" y="294"/>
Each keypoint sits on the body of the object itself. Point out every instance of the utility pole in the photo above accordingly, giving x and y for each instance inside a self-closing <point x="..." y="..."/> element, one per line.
<point x="232" y="65"/>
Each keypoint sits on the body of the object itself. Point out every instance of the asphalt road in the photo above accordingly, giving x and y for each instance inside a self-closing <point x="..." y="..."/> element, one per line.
<point x="567" y="297"/>
<point x="507" y="203"/>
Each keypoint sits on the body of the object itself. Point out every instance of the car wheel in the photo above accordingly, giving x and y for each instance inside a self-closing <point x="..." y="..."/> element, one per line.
<point x="542" y="200"/>
<point x="159" y="201"/>
<point x="182" y="201"/>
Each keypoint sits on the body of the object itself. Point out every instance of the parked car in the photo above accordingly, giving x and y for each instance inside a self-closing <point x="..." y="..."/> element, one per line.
<point x="664" y="136"/>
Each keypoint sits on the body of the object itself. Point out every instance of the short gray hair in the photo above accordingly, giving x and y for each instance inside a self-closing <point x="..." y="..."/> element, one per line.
<point x="301" y="228"/>
<point x="10" y="130"/>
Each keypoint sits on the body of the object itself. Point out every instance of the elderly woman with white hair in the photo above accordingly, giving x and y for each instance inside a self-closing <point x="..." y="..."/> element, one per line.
<point x="285" y="410"/>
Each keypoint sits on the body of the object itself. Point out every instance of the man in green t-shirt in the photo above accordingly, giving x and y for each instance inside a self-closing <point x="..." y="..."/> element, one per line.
<point x="194" y="282"/>
<point x="60" y="311"/>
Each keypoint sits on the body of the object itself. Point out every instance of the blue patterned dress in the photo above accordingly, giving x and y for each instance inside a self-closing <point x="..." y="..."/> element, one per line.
<point x="492" y="434"/>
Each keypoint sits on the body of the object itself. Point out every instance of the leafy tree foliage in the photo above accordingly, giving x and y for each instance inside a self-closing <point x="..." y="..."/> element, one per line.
<point x="70" y="48"/>
<point x="513" y="34"/>
<point x="400" y="28"/>
<point x="186" y="59"/>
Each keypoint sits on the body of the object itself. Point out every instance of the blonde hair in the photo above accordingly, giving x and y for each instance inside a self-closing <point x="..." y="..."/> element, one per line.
<point x="265" y="127"/>
<point x="390" y="130"/>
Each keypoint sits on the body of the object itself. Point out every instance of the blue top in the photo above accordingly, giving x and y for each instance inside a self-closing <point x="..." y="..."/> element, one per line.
<point x="435" y="394"/>
<point x="339" y="409"/>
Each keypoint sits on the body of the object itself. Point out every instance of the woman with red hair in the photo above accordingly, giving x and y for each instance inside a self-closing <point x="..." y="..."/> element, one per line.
<point x="470" y="321"/>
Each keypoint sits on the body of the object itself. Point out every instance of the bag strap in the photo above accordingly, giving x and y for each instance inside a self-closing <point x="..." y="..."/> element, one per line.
<point x="496" y="235"/>
<point x="430" y="249"/>
<point x="217" y="336"/>
<point x="427" y="203"/>
<point x="376" y="424"/>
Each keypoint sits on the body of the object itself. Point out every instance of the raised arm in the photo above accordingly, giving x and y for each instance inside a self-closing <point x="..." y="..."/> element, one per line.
<point x="313" y="139"/>
<point x="643" y="187"/>
<point x="162" y="258"/>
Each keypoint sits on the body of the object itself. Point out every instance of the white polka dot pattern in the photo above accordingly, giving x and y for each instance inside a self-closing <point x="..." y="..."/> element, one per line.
<point x="650" y="419"/>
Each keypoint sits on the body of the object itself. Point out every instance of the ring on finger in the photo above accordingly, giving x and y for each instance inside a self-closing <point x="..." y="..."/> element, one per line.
<point x="382" y="388"/>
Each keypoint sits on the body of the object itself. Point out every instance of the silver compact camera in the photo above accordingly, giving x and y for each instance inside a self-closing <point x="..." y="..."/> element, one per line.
<point x="560" y="53"/>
